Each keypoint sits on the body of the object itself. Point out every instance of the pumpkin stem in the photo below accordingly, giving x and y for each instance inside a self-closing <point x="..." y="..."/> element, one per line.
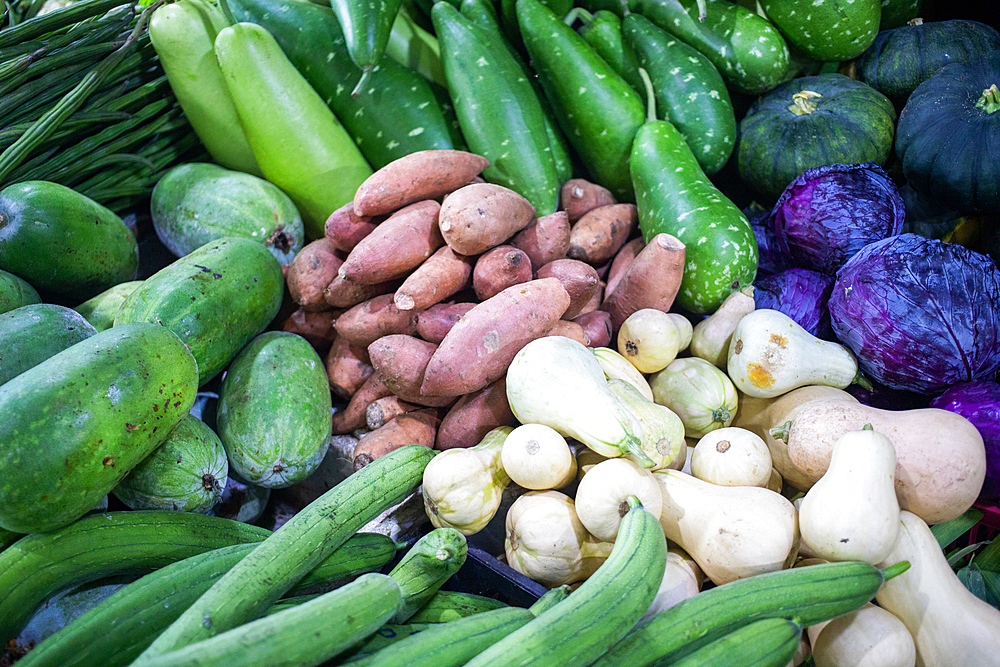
<point x="702" y="10"/>
<point x="916" y="21"/>
<point x="990" y="100"/>
<point x="802" y="103"/>
<point x="780" y="432"/>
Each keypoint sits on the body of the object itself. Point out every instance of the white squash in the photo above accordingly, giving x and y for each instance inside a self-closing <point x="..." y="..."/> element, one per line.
<point x="678" y="584"/>
<point x="732" y="456"/>
<point x="649" y="339"/>
<point x="868" y="637"/>
<point x="536" y="457"/>
<point x="771" y="354"/>
<point x="710" y="338"/>
<point x="601" y="497"/>
<point x="698" y="392"/>
<point x="587" y="458"/>
<point x="774" y="482"/>
<point x="662" y="430"/>
<point x="684" y="330"/>
<point x="616" y="366"/>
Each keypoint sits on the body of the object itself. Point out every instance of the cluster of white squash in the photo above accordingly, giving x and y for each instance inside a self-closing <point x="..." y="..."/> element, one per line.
<point x="762" y="402"/>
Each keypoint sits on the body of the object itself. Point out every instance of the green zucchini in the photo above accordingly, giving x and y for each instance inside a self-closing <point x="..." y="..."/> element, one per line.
<point x="769" y="642"/>
<point x="807" y="595"/>
<point x="259" y="580"/>
<point x="101" y="310"/>
<point x="117" y="630"/>
<point x="101" y="545"/>
<point x="15" y="292"/>
<point x="447" y="606"/>
<point x="425" y="566"/>
<point x="31" y="334"/>
<point x="597" y="614"/>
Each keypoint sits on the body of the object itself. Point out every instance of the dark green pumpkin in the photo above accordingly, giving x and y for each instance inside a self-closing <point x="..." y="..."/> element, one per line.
<point x="809" y="122"/>
<point x="901" y="59"/>
<point x="948" y="137"/>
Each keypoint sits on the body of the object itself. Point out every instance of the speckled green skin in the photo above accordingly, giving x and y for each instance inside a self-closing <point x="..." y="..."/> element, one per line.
<point x="215" y="299"/>
<point x="33" y="333"/>
<point x="274" y="410"/>
<point x="101" y="310"/>
<point x="673" y="195"/>
<point x="62" y="241"/>
<point x="749" y="52"/>
<point x="826" y="30"/>
<point x="15" y="292"/>
<point x="75" y="424"/>
<point x="198" y="202"/>
<point x="186" y="473"/>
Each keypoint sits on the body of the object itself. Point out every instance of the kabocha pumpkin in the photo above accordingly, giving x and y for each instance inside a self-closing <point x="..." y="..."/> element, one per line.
<point x="948" y="133"/>
<point x="809" y="122"/>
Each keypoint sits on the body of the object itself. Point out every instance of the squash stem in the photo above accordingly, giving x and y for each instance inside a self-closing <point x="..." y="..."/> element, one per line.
<point x="702" y="10"/>
<point x="578" y="13"/>
<point x="650" y="95"/>
<point x="224" y="7"/>
<point x="802" y="103"/>
<point x="862" y="382"/>
<point x="896" y="570"/>
<point x="990" y="100"/>
<point x="781" y="432"/>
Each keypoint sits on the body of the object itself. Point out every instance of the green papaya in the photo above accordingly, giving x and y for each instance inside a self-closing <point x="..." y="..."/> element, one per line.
<point x="198" y="202"/>
<point x="61" y="241"/>
<point x="215" y="299"/>
<point x="78" y="422"/>
<point x="101" y="310"/>
<point x="274" y="410"/>
<point x="31" y="334"/>
<point x="15" y="292"/>
<point x="186" y="473"/>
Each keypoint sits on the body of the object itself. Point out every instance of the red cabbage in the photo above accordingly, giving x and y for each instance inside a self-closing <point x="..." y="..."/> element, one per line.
<point x="920" y="314"/>
<point x="979" y="402"/>
<point x="829" y="213"/>
<point x="770" y="259"/>
<point x="799" y="293"/>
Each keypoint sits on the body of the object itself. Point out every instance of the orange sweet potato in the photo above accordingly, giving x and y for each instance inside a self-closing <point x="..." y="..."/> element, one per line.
<point x="422" y="175"/>
<point x="499" y="268"/>
<point x="623" y="258"/>
<point x="482" y="344"/>
<point x="400" y="360"/>
<point x="347" y="367"/>
<point x="544" y="239"/>
<point x="343" y="293"/>
<point x="596" y="328"/>
<point x="601" y="232"/>
<point x="353" y="416"/>
<point x="651" y="281"/>
<point x="569" y="329"/>
<point x="396" y="246"/>
<point x="344" y="229"/>
<point x="413" y="428"/>
<point x="579" y="278"/>
<point x="434" y="323"/>
<point x="316" y="326"/>
<point x="578" y="196"/>
<point x="477" y="217"/>
<point x="310" y="271"/>
<point x="474" y="415"/>
<point x="441" y="275"/>
<point x="382" y="410"/>
<point x="370" y="320"/>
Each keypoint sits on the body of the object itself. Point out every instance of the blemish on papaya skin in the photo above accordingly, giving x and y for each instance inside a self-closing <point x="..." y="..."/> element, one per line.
<point x="759" y="376"/>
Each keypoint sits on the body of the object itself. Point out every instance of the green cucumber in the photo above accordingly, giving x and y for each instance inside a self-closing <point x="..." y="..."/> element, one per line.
<point x="15" y="292"/>
<point x="426" y="565"/>
<point x="215" y="299"/>
<point x="101" y="545"/>
<point x="117" y="630"/>
<point x="274" y="410"/>
<point x="31" y="334"/>
<point x="451" y="605"/>
<point x="186" y="473"/>
<point x="807" y="595"/>
<point x="769" y="642"/>
<point x="597" y="614"/>
<point x="198" y="202"/>
<point x="259" y="580"/>
<point x="62" y="241"/>
<point x="101" y="310"/>
<point x="78" y="422"/>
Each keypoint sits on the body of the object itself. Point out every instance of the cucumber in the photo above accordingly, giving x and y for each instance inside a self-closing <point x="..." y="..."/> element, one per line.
<point x="101" y="545"/>
<point x="451" y="605"/>
<point x="769" y="642"/>
<point x="259" y="580"/>
<point x="78" y="422"/>
<point x="597" y="614"/>
<point x="215" y="299"/>
<point x="807" y="595"/>
<point x="274" y="410"/>
<point x="198" y="202"/>
<point x="116" y="631"/>
<point x="61" y="241"/>
<point x="101" y="310"/>
<point x="15" y="292"/>
<point x="426" y="565"/>
<point x="186" y="473"/>
<point x="31" y="334"/>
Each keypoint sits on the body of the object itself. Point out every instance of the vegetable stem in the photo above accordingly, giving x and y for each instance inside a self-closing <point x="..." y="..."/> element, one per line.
<point x="578" y="13"/>
<point x="781" y="432"/>
<point x="896" y="569"/>
<point x="862" y="382"/>
<point x="650" y="95"/>
<point x="802" y="103"/>
<point x="224" y="6"/>
<point x="990" y="100"/>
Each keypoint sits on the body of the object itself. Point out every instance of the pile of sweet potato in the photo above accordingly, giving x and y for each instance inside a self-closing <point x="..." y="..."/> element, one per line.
<point x="428" y="283"/>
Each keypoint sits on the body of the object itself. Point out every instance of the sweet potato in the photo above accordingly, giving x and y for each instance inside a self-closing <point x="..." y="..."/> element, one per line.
<point x="310" y="271"/>
<point x="343" y="293"/>
<point x="579" y="278"/>
<point x="316" y="326"/>
<point x="400" y="360"/>
<point x="347" y="367"/>
<point x="425" y="174"/>
<point x="578" y="196"/>
<point x="474" y="415"/>
<point x="434" y="323"/>
<point x="619" y="265"/>
<point x="595" y="300"/>
<point x="370" y="320"/>
<point x="651" y="281"/>
<point x="499" y="268"/>
<point x="395" y="247"/>
<point x="601" y="232"/>
<point x="596" y="328"/>
<point x="441" y="275"/>
<point x="479" y="348"/>
<point x="545" y="239"/>
<point x="479" y="216"/>
<point x="569" y="329"/>
<point x="344" y="229"/>
<point x="382" y="410"/>
<point x="353" y="416"/>
<point x="413" y="428"/>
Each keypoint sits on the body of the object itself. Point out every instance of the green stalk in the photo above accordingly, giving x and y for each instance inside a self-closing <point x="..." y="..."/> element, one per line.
<point x="88" y="55"/>
<point x="60" y="18"/>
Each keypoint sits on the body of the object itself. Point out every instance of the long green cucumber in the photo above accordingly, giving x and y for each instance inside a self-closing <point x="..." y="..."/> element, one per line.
<point x="429" y="563"/>
<point x="306" y="634"/>
<point x="118" y="629"/>
<point x="769" y="642"/>
<point x="451" y="605"/>
<point x="451" y="644"/>
<point x="807" y="595"/>
<point x="597" y="614"/>
<point x="259" y="580"/>
<point x="100" y="545"/>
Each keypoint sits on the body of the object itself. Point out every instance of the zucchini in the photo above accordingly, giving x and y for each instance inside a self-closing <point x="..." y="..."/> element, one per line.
<point x="101" y="545"/>
<point x="807" y="595"/>
<point x="597" y="614"/>
<point x="451" y="605"/>
<point x="259" y="580"/>
<point x="116" y="631"/>
<point x="769" y="642"/>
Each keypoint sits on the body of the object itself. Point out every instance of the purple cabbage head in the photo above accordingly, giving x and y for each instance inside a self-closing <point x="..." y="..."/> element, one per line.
<point x="799" y="293"/>
<point x="920" y="314"/>
<point x="770" y="259"/>
<point x="829" y="213"/>
<point x="979" y="402"/>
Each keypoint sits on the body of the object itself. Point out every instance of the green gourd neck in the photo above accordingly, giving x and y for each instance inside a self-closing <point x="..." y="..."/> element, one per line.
<point x="803" y="103"/>
<point x="989" y="101"/>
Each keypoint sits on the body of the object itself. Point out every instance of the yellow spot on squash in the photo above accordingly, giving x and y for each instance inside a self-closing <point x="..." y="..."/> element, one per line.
<point x="759" y="376"/>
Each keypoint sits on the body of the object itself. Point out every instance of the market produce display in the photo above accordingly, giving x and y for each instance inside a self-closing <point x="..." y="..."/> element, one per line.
<point x="481" y="332"/>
